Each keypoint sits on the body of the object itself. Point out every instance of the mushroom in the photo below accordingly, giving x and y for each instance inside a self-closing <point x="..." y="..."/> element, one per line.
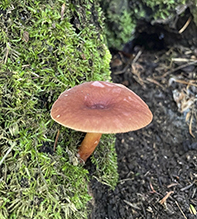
<point x="100" y="107"/>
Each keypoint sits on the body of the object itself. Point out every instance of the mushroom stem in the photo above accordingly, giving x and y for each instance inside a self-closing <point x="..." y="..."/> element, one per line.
<point x="88" y="145"/>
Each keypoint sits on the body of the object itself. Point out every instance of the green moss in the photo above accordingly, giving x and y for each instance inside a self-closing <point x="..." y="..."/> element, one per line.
<point x="122" y="16"/>
<point x="193" y="9"/>
<point x="162" y="9"/>
<point x="119" y="22"/>
<point x="123" y="28"/>
<point x="105" y="160"/>
<point x="42" y="53"/>
<point x="42" y="186"/>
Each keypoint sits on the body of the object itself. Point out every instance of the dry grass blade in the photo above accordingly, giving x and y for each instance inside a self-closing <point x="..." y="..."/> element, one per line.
<point x="6" y="154"/>
<point x="163" y="200"/>
<point x="180" y="210"/>
<point x="185" y="25"/>
<point x="191" y="82"/>
<point x="132" y="205"/>
<point x="190" y="127"/>
<point x="25" y="36"/>
<point x="62" y="11"/>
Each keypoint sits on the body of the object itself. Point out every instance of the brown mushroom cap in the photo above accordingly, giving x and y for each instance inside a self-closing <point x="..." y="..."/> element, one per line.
<point x="101" y="107"/>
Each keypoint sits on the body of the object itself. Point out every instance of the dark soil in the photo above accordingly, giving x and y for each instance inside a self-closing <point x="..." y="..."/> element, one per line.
<point x="157" y="165"/>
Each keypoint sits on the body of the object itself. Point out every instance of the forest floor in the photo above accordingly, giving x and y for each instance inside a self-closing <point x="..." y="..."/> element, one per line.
<point x="157" y="165"/>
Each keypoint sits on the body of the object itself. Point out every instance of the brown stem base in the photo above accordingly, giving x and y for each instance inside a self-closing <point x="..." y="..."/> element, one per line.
<point x="88" y="145"/>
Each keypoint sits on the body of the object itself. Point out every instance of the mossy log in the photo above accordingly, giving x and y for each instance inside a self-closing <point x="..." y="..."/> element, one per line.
<point x="45" y="48"/>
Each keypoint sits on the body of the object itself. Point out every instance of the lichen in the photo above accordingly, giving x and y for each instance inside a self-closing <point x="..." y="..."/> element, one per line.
<point x="45" y="48"/>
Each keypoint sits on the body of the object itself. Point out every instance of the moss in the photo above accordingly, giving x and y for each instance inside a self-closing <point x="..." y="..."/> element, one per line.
<point x="119" y="22"/>
<point x="105" y="160"/>
<point x="122" y="31"/>
<point x="122" y="16"/>
<point x="45" y="48"/>
<point x="193" y="9"/>
<point x="163" y="9"/>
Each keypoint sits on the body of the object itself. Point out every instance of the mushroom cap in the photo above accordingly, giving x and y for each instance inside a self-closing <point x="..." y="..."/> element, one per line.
<point x="101" y="107"/>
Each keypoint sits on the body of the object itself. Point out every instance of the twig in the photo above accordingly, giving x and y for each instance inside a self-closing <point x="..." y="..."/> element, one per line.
<point x="127" y="66"/>
<point x="186" y="82"/>
<point x="175" y="69"/>
<point x="123" y="70"/>
<point x="151" y="186"/>
<point x="180" y="210"/>
<point x="187" y="187"/>
<point x="132" y="205"/>
<point x="56" y="139"/>
<point x="155" y="82"/>
<point x="137" y="56"/>
<point x="171" y="185"/>
<point x="182" y="60"/>
<point x="163" y="200"/>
